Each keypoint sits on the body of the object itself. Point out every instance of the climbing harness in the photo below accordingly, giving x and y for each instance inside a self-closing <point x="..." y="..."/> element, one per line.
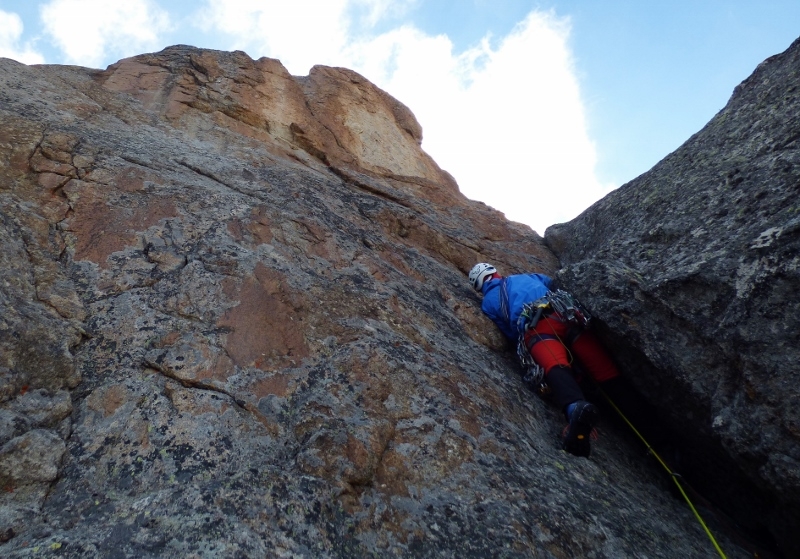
<point x="559" y="302"/>
<point x="675" y="475"/>
<point x="569" y="308"/>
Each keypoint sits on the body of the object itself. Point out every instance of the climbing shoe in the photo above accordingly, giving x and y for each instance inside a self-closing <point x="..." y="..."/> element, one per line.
<point x="577" y="434"/>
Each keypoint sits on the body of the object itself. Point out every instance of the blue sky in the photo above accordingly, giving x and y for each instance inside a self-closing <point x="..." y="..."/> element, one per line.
<point x="537" y="108"/>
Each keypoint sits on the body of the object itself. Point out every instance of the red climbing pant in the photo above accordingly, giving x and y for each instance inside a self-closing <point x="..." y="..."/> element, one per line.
<point x="552" y="342"/>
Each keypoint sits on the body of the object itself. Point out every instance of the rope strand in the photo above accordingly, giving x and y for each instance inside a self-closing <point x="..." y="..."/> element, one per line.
<point x="673" y="475"/>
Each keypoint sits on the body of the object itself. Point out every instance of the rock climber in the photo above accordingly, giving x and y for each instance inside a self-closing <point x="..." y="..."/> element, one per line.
<point x="552" y="342"/>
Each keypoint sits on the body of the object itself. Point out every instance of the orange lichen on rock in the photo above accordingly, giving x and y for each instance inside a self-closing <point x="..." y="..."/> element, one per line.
<point x="103" y="222"/>
<point x="267" y="325"/>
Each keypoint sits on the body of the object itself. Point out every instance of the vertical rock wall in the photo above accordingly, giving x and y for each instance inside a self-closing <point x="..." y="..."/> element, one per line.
<point x="694" y="269"/>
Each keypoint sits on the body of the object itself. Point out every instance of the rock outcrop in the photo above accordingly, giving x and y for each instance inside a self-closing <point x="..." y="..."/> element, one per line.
<point x="235" y="322"/>
<point x="694" y="268"/>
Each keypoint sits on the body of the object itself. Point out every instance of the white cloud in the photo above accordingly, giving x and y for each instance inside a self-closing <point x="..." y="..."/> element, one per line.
<point x="513" y="131"/>
<point x="10" y="33"/>
<point x="379" y="9"/>
<point x="299" y="33"/>
<point x="88" y="31"/>
<point x="506" y="121"/>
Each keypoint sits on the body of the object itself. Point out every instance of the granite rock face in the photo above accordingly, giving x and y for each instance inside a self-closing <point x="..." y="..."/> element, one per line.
<point x="235" y="322"/>
<point x="694" y="268"/>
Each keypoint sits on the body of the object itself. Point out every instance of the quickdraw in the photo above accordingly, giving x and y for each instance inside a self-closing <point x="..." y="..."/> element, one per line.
<point x="534" y="373"/>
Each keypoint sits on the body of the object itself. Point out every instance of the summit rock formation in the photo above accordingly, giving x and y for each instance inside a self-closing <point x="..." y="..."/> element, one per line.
<point x="235" y="322"/>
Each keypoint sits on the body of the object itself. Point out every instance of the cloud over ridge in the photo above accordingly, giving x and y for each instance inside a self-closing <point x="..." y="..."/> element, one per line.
<point x="88" y="31"/>
<point x="10" y="34"/>
<point x="506" y="121"/>
<point x="503" y="115"/>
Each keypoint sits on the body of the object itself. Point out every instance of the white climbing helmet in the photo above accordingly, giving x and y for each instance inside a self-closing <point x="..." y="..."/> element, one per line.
<point x="479" y="273"/>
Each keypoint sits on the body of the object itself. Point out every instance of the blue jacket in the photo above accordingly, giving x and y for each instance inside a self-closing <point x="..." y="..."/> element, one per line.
<point x="521" y="289"/>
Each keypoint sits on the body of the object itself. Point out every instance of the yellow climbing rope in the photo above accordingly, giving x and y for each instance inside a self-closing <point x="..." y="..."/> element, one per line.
<point x="672" y="474"/>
